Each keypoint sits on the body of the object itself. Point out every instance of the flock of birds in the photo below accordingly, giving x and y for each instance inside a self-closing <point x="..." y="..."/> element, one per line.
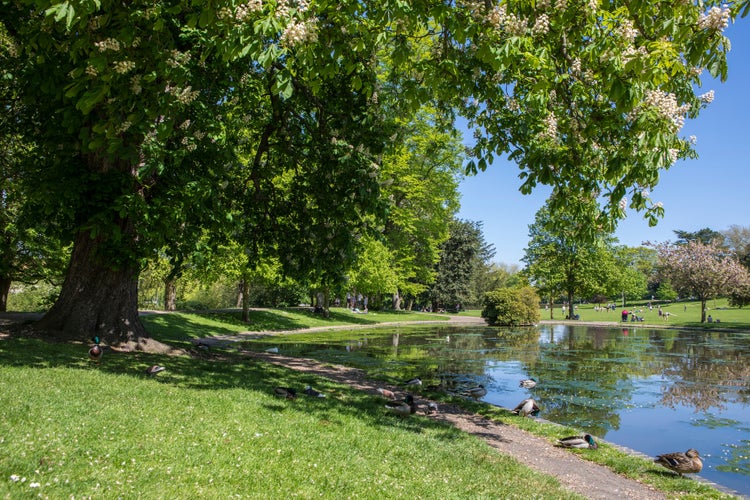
<point x="688" y="462"/>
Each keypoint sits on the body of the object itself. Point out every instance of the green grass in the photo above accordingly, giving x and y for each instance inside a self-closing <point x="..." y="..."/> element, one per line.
<point x="681" y="314"/>
<point x="213" y="429"/>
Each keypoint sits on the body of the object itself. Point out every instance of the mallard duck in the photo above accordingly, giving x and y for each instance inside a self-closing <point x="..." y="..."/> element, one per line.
<point x="528" y="383"/>
<point x="682" y="463"/>
<point x="313" y="393"/>
<point x="402" y="407"/>
<point x="386" y="393"/>
<point x="527" y="407"/>
<point x="285" y="392"/>
<point x="585" y="441"/>
<point x="414" y="381"/>
<point x="96" y="351"/>
<point x="154" y="369"/>
<point x="475" y="392"/>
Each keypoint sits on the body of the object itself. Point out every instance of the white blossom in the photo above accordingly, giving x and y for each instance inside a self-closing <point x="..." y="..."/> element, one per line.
<point x="108" y="44"/>
<point x="708" y="97"/>
<point x="715" y="19"/>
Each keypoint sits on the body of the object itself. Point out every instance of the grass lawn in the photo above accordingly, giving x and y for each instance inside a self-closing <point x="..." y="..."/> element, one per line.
<point x="213" y="428"/>
<point x="686" y="314"/>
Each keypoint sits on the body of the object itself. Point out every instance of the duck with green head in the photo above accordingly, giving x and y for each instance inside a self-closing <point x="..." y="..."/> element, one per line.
<point x="96" y="351"/>
<point x="584" y="441"/>
<point x="403" y="407"/>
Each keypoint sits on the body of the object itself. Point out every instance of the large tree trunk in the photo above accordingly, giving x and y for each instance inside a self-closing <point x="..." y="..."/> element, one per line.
<point x="4" y="291"/>
<point x="95" y="300"/>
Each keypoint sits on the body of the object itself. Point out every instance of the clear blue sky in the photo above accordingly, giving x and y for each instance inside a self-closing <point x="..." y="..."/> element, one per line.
<point x="712" y="191"/>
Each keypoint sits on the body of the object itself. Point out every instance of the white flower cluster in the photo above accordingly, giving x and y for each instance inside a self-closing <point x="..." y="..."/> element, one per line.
<point x="124" y="126"/>
<point x="178" y="58"/>
<point x="512" y="105"/>
<point x="282" y="9"/>
<point x="593" y="5"/>
<point x="561" y="5"/>
<point x="550" y="131"/>
<point x="302" y="5"/>
<point x="666" y="104"/>
<point x="693" y="139"/>
<point x="631" y="53"/>
<point x="715" y="19"/>
<point x="627" y="31"/>
<point x="186" y="124"/>
<point x="575" y="67"/>
<point x="199" y="135"/>
<point x="184" y="96"/>
<point x="91" y="71"/>
<point x="672" y="154"/>
<point x="708" y="97"/>
<point x="623" y="203"/>
<point x="300" y="32"/>
<point x="124" y="67"/>
<point x="244" y="10"/>
<point x="108" y="44"/>
<point x="500" y="19"/>
<point x="190" y="146"/>
<point x="135" y="84"/>
<point x="541" y="26"/>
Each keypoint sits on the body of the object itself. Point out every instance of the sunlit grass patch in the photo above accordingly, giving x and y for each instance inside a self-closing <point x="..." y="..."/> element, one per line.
<point x="214" y="429"/>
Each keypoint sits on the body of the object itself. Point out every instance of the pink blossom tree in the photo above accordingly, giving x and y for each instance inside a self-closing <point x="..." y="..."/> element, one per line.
<point x="704" y="271"/>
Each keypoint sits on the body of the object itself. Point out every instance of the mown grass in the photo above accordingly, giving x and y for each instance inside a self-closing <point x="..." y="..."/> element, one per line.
<point x="681" y="314"/>
<point x="213" y="429"/>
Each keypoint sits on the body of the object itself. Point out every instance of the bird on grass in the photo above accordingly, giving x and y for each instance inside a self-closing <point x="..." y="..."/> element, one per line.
<point x="403" y="407"/>
<point x="414" y="381"/>
<point x="475" y="392"/>
<point x="584" y="441"/>
<point x="432" y="408"/>
<point x="386" y="393"/>
<point x="154" y="369"/>
<point x="682" y="463"/>
<point x="313" y="393"/>
<point x="285" y="392"/>
<point x="528" y="383"/>
<point x="527" y="407"/>
<point x="96" y="351"/>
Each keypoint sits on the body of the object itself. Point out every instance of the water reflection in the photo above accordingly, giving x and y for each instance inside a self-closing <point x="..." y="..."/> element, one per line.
<point x="652" y="390"/>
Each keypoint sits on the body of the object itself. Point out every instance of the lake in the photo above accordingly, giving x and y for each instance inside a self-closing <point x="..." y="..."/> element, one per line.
<point x="651" y="390"/>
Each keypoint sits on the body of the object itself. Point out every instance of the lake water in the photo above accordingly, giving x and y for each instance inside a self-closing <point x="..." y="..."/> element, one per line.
<point x="654" y="391"/>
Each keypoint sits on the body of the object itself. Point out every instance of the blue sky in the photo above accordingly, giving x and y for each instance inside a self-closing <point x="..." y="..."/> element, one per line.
<point x="712" y="191"/>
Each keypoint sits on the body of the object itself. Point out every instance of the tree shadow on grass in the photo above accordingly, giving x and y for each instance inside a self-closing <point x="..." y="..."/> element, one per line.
<point x="221" y="372"/>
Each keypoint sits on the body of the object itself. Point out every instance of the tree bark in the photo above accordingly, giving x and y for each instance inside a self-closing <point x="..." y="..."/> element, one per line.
<point x="4" y="291"/>
<point x="95" y="299"/>
<point x="245" y="284"/>
<point x="170" y="295"/>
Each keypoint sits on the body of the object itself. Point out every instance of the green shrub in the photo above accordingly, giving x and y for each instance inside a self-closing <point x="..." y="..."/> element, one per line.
<point x="511" y="307"/>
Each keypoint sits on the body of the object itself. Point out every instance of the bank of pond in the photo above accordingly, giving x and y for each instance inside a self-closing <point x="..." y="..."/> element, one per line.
<point x="651" y="390"/>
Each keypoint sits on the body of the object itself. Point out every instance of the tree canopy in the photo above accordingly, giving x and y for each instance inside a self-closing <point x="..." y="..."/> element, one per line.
<point x="147" y="119"/>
